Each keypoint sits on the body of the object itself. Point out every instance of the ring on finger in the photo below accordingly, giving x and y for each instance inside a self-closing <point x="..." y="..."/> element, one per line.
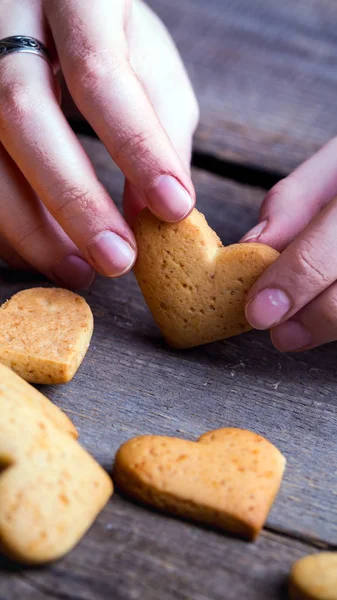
<point x="24" y="43"/>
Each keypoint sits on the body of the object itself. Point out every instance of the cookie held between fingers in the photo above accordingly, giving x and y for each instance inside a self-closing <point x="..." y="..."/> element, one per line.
<point x="44" y="334"/>
<point x="228" y="479"/>
<point x="193" y="285"/>
<point x="51" y="489"/>
<point x="314" y="577"/>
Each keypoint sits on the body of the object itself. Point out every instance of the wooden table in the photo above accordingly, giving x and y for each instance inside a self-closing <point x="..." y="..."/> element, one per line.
<point x="265" y="74"/>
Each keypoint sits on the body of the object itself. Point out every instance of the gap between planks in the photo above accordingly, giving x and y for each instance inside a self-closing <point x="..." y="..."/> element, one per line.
<point x="240" y="173"/>
<point x="315" y="543"/>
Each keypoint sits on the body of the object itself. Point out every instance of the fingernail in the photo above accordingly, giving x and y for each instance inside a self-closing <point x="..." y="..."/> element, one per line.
<point x="290" y="336"/>
<point x="254" y="233"/>
<point x="73" y="272"/>
<point x="112" y="254"/>
<point x="267" y="308"/>
<point x="169" y="200"/>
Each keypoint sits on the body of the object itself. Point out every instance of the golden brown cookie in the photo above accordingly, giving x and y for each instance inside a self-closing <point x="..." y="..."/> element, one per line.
<point x="314" y="577"/>
<point x="44" y="334"/>
<point x="193" y="285"/>
<point x="11" y="385"/>
<point x="228" y="479"/>
<point x="51" y="489"/>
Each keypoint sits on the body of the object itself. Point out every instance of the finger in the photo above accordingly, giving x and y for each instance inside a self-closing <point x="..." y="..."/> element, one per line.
<point x="12" y="258"/>
<point x="93" y="56"/>
<point x="304" y="270"/>
<point x="29" y="232"/>
<point x="314" y="325"/>
<point x="40" y="141"/>
<point x="169" y="90"/>
<point x="294" y="201"/>
<point x="132" y="203"/>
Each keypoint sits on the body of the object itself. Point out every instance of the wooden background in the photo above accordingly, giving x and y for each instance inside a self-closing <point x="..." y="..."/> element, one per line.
<point x="265" y="77"/>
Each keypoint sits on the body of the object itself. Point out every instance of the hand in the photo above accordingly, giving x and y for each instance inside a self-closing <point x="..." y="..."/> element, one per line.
<point x="126" y="78"/>
<point x="297" y="295"/>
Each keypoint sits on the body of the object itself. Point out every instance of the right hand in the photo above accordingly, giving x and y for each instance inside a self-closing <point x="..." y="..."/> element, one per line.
<point x="296" y="297"/>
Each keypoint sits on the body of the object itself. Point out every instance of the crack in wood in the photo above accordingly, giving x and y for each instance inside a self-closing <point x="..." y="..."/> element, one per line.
<point x="246" y="174"/>
<point x="48" y="591"/>
<point x="289" y="535"/>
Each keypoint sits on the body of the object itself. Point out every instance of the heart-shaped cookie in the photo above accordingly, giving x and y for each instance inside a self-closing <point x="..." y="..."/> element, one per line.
<point x="51" y="489"/>
<point x="314" y="577"/>
<point x="228" y="479"/>
<point x="193" y="285"/>
<point x="44" y="334"/>
<point x="12" y="384"/>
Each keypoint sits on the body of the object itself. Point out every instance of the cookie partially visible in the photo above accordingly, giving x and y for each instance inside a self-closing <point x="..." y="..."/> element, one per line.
<point x="45" y="334"/>
<point x="51" y="489"/>
<point x="314" y="577"/>
<point x="11" y="385"/>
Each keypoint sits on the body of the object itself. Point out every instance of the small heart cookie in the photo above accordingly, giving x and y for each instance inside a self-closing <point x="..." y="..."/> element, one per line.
<point x="51" y="489"/>
<point x="314" y="577"/>
<point x="228" y="479"/>
<point x="193" y="285"/>
<point x="44" y="334"/>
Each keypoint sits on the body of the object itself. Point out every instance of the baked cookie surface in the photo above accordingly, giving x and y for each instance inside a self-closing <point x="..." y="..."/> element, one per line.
<point x="194" y="286"/>
<point x="51" y="489"/>
<point x="314" y="577"/>
<point x="228" y="479"/>
<point x="44" y="334"/>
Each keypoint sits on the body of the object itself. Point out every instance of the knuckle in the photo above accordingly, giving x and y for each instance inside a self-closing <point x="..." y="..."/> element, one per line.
<point x="24" y="236"/>
<point x="90" y="68"/>
<point x="16" y="103"/>
<point x="69" y="202"/>
<point x="21" y="240"/>
<point x="307" y="267"/>
<point x="283" y="189"/>
<point x="134" y="147"/>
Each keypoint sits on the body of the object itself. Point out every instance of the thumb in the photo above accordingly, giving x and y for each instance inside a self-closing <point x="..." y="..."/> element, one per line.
<point x="294" y="201"/>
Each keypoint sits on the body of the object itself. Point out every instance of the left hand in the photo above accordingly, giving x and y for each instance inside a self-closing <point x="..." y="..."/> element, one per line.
<point x="297" y="296"/>
<point x="127" y="79"/>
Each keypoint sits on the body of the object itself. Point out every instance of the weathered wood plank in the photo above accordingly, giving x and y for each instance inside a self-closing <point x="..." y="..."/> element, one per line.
<point x="133" y="554"/>
<point x="130" y="383"/>
<point x="264" y="73"/>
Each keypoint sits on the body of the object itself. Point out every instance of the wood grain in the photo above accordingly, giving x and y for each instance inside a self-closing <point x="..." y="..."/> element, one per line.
<point x="130" y="383"/>
<point x="134" y="554"/>
<point x="264" y="73"/>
